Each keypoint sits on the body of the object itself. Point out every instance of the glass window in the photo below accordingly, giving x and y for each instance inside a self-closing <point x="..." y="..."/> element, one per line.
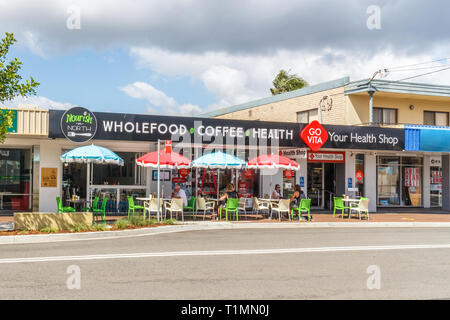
<point x="388" y="185"/>
<point x="15" y="180"/>
<point x="393" y="170"/>
<point x="302" y="117"/>
<point x="388" y="160"/>
<point x="384" y="115"/>
<point x="412" y="160"/>
<point x="359" y="173"/>
<point x="436" y="186"/>
<point x="441" y="118"/>
<point x="307" y="116"/>
<point x="432" y="118"/>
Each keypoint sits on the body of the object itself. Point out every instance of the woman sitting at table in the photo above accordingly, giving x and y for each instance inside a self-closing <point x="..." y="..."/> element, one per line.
<point x="297" y="196"/>
<point x="230" y="193"/>
<point x="276" y="194"/>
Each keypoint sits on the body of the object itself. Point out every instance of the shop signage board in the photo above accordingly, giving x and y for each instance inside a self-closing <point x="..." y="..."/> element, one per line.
<point x="435" y="161"/>
<point x="412" y="177"/>
<point x="293" y="153"/>
<point x="326" y="156"/>
<point x="302" y="182"/>
<point x="138" y="127"/>
<point x="49" y="177"/>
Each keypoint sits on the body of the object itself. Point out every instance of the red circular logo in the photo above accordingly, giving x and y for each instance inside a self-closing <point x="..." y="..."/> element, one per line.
<point x="288" y="173"/>
<point x="359" y="175"/>
<point x="248" y="173"/>
<point x="183" y="172"/>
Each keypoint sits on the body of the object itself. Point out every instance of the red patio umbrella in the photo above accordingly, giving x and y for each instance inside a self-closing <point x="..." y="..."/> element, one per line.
<point x="272" y="161"/>
<point x="170" y="160"/>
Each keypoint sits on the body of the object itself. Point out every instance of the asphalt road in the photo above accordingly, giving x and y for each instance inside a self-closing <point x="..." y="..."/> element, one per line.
<point x="328" y="263"/>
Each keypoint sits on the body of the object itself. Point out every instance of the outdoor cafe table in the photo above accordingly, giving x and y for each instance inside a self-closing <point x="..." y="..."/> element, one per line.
<point x="77" y="203"/>
<point x="350" y="201"/>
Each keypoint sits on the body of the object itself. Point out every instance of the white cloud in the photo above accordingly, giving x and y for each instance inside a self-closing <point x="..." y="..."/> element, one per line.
<point x="38" y="102"/>
<point x="155" y="97"/>
<point x="235" y="78"/>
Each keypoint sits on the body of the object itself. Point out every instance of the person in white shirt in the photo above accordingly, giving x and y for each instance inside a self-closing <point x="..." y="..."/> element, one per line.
<point x="179" y="193"/>
<point x="276" y="194"/>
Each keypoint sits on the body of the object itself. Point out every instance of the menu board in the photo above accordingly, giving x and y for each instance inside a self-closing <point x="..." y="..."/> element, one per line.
<point x="49" y="177"/>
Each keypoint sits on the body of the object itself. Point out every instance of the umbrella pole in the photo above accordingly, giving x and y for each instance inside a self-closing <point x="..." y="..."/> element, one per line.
<point x="159" y="199"/>
<point x="88" y="175"/>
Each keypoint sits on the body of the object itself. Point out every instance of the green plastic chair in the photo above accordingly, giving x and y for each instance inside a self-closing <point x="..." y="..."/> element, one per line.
<point x="132" y="206"/>
<point x="102" y="209"/>
<point x="339" y="205"/>
<point x="62" y="209"/>
<point x="232" y="206"/>
<point x="305" y="206"/>
<point x="190" y="206"/>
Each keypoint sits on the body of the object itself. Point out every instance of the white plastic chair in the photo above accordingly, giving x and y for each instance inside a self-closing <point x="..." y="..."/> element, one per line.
<point x="258" y="207"/>
<point x="241" y="207"/>
<point x="203" y="205"/>
<point x="281" y="207"/>
<point x="362" y="207"/>
<point x="176" y="205"/>
<point x="152" y="206"/>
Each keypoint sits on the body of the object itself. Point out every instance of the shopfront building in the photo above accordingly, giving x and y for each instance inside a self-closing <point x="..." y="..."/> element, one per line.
<point x="377" y="162"/>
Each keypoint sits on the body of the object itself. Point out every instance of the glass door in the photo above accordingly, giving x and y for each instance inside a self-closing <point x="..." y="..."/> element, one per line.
<point x="315" y="184"/>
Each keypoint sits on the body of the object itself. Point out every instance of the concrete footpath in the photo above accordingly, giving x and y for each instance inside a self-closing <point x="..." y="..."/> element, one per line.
<point x="211" y="225"/>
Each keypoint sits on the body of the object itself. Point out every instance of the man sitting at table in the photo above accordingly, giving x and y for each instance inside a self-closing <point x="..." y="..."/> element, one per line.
<point x="179" y="193"/>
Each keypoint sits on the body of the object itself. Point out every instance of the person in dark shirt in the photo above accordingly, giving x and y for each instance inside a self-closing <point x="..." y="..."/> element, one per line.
<point x="297" y="196"/>
<point x="229" y="194"/>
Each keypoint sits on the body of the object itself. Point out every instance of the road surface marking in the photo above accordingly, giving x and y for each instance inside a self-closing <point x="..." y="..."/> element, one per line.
<point x="222" y="252"/>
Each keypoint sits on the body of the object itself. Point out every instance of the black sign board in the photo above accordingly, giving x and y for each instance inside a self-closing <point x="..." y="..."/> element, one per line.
<point x="136" y="127"/>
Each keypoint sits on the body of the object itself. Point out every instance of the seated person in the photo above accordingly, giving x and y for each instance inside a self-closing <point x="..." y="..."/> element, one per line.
<point x="179" y="193"/>
<point x="276" y="194"/>
<point x="297" y="196"/>
<point x="229" y="193"/>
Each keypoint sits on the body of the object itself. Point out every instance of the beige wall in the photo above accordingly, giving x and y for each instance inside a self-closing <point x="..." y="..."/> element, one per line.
<point x="286" y="110"/>
<point x="347" y="109"/>
<point x="358" y="107"/>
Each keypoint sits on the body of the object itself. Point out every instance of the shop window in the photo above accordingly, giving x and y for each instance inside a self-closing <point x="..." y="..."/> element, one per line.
<point x="359" y="173"/>
<point x="399" y="181"/>
<point x="433" y="118"/>
<point x="435" y="186"/>
<point x="15" y="179"/>
<point x="307" y="116"/>
<point x="384" y="116"/>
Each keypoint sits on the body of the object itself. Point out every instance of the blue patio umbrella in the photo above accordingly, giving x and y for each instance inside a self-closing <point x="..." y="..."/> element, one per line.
<point x="218" y="160"/>
<point x="91" y="154"/>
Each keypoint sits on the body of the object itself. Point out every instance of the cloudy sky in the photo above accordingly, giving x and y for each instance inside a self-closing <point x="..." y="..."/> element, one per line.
<point x="187" y="56"/>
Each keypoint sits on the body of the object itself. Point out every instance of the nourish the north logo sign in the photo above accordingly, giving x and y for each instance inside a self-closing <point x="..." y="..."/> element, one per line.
<point x="314" y="135"/>
<point x="78" y="124"/>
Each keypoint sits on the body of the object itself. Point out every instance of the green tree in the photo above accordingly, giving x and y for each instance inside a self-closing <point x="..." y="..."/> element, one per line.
<point x="285" y="82"/>
<point x="11" y="84"/>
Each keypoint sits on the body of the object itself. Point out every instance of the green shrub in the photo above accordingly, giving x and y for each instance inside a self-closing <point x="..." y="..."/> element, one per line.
<point x="100" y="227"/>
<point x="49" y="230"/>
<point x="122" y="223"/>
<point x="138" y="221"/>
<point x="80" y="227"/>
<point x="170" y="221"/>
<point x="153" y="221"/>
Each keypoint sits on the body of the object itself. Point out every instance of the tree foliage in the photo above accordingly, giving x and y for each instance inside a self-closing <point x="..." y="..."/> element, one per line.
<point x="11" y="84"/>
<point x="285" y="82"/>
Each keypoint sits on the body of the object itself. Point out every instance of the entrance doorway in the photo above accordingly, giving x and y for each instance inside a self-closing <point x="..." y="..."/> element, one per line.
<point x="324" y="180"/>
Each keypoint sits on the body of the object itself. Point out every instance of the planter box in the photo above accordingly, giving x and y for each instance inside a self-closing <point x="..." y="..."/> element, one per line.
<point x="40" y="220"/>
